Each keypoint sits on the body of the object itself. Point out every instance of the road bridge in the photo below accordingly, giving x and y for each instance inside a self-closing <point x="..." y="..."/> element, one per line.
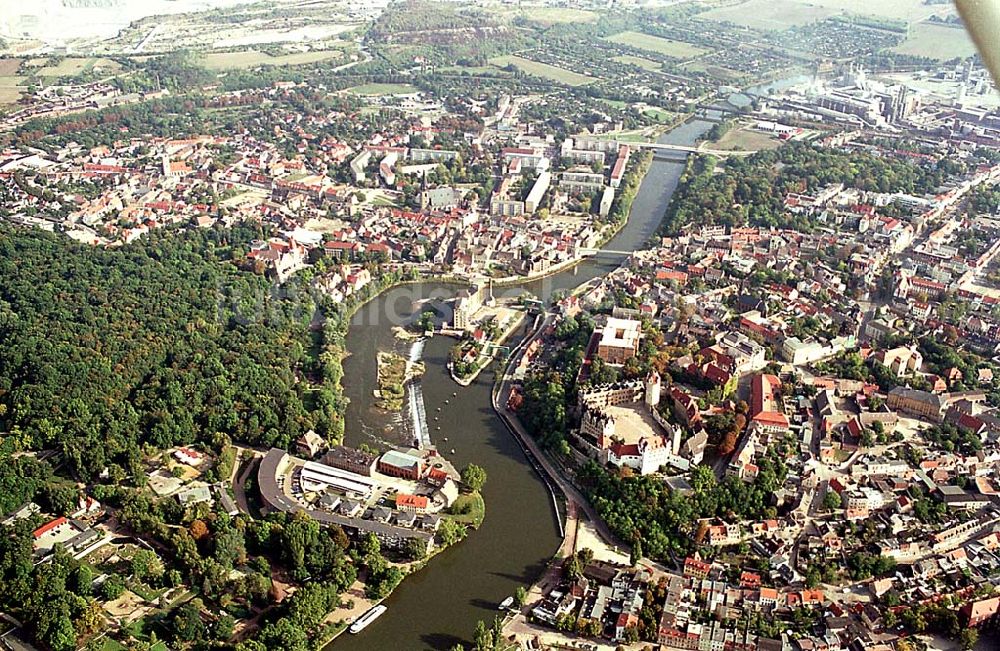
<point x="587" y="253"/>
<point x="662" y="146"/>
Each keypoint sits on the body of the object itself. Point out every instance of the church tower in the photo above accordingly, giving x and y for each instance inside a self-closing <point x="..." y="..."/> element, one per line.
<point x="652" y="389"/>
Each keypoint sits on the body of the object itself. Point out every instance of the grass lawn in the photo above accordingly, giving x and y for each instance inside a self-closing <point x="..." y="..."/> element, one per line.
<point x="252" y="58"/>
<point x="181" y="597"/>
<point x="476" y="509"/>
<point x="636" y="135"/>
<point x="137" y="629"/>
<point x="144" y="591"/>
<point x="112" y="645"/>
<point x="937" y="42"/>
<point x="645" y="64"/>
<point x="664" y="46"/>
<point x="543" y="70"/>
<point x="775" y="15"/>
<point x="658" y="114"/>
<point x="383" y="89"/>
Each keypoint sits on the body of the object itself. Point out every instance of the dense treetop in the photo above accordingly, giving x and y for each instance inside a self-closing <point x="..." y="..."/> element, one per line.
<point x="163" y="342"/>
<point x="752" y="190"/>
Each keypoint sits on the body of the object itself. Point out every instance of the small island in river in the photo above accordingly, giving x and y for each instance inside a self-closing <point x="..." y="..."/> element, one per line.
<point x="394" y="371"/>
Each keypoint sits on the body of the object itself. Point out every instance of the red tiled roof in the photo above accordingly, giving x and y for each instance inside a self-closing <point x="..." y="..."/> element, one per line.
<point x="48" y="526"/>
<point x="416" y="501"/>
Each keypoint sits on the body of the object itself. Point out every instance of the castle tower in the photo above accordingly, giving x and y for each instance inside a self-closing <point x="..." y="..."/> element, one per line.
<point x="652" y="389"/>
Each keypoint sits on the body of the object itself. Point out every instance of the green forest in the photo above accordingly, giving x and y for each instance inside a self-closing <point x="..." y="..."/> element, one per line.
<point x="160" y="343"/>
<point x="752" y="190"/>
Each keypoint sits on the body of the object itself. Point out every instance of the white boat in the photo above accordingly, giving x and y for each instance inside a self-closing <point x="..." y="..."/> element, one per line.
<point x="506" y="603"/>
<point x="361" y="622"/>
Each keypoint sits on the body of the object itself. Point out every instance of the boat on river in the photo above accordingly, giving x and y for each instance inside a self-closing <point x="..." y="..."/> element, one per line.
<point x="507" y="603"/>
<point x="362" y="622"/>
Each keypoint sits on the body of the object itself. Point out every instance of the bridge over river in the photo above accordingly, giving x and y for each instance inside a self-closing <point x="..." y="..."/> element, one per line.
<point x="687" y="149"/>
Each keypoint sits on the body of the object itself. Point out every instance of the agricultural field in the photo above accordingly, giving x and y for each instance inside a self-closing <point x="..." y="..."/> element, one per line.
<point x="939" y="42"/>
<point x="769" y="15"/>
<point x="912" y="11"/>
<point x="645" y="64"/>
<point x="745" y="139"/>
<point x="543" y="70"/>
<point x="664" y="46"/>
<point x="9" y="67"/>
<point x="723" y="74"/>
<point x="553" y="15"/>
<point x="470" y="70"/>
<point x="10" y="89"/>
<point x="383" y="89"/>
<point x="73" y="66"/>
<point x="253" y="58"/>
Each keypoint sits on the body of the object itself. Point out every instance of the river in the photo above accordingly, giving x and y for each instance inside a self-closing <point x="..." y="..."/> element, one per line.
<point x="439" y="606"/>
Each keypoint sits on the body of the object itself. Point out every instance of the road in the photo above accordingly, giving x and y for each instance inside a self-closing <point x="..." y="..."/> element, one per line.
<point x="239" y="485"/>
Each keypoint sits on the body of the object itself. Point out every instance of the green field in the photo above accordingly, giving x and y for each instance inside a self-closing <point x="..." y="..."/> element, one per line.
<point x="645" y="64"/>
<point x="635" y="135"/>
<point x="772" y="15"/>
<point x="745" y="139"/>
<point x="72" y="66"/>
<point x="664" y="46"/>
<point x="472" y="70"/>
<point x="552" y="15"/>
<point x="543" y="70"/>
<point x="909" y="10"/>
<point x="937" y="42"/>
<point x="470" y="509"/>
<point x="725" y="74"/>
<point x="660" y="115"/>
<point x="383" y="89"/>
<point x="252" y="58"/>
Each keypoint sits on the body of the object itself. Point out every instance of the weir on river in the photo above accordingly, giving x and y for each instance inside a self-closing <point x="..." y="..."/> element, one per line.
<point x="415" y="395"/>
<point x="438" y="607"/>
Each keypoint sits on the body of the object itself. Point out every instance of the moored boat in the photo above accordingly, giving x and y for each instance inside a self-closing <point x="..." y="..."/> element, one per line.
<point x="362" y="622"/>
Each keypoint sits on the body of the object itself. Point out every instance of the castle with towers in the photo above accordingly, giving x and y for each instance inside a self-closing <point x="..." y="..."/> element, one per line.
<point x="621" y="425"/>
